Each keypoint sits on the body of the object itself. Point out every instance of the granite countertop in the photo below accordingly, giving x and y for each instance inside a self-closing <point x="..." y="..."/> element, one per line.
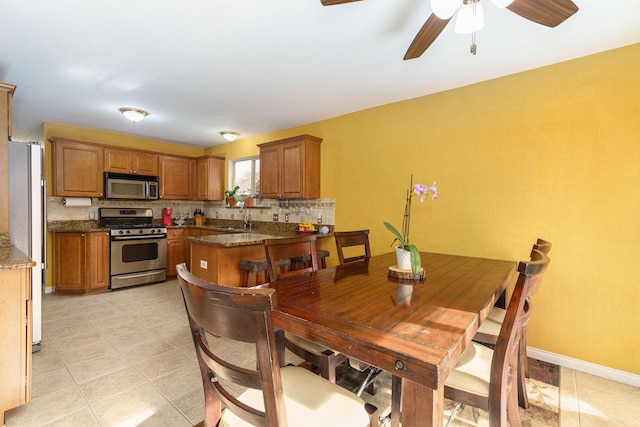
<point x="73" y="226"/>
<point x="233" y="239"/>
<point x="12" y="258"/>
<point x="271" y="229"/>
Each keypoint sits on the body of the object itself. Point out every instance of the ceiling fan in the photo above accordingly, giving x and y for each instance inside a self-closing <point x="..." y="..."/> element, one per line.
<point x="550" y="13"/>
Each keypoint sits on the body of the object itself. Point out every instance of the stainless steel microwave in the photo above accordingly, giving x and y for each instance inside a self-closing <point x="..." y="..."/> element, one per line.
<point x="131" y="187"/>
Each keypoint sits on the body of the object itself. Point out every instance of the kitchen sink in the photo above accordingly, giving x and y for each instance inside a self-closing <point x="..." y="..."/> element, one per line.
<point x="232" y="229"/>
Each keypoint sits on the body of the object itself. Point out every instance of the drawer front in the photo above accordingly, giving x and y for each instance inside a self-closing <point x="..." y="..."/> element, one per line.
<point x="177" y="233"/>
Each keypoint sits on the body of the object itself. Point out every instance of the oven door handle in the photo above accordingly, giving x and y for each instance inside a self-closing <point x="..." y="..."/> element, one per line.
<point x="147" y="237"/>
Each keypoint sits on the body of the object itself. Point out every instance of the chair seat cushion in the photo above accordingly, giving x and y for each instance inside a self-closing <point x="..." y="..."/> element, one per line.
<point x="472" y="373"/>
<point x="256" y="265"/>
<point x="310" y="401"/>
<point x="490" y="327"/>
<point x="493" y="322"/>
<point x="497" y="314"/>
<point x="310" y="346"/>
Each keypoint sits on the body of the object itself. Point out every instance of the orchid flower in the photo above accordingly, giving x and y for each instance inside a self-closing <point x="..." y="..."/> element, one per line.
<point x="422" y="191"/>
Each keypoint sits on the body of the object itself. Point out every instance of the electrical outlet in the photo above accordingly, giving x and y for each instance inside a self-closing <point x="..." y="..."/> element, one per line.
<point x="203" y="264"/>
<point x="275" y="217"/>
<point x="216" y="214"/>
<point x="319" y="218"/>
<point x="286" y="217"/>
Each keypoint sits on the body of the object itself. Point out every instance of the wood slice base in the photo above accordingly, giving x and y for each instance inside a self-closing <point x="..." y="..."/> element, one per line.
<point x="398" y="273"/>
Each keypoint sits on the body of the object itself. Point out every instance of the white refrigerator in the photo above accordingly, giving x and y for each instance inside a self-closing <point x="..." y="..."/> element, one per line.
<point x="27" y="219"/>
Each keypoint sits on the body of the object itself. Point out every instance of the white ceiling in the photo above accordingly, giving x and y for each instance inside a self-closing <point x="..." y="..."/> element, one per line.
<point x="255" y="66"/>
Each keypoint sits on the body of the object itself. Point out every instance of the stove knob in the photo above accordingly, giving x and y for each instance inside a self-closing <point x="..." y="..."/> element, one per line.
<point x="153" y="231"/>
<point x="128" y="231"/>
<point x="120" y="232"/>
<point x="141" y="231"/>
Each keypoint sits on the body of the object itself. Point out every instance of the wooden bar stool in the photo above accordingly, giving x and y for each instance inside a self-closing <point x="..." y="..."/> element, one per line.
<point x="303" y="261"/>
<point x="259" y="268"/>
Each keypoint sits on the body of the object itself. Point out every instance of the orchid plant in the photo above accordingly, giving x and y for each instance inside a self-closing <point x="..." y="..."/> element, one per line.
<point x="422" y="191"/>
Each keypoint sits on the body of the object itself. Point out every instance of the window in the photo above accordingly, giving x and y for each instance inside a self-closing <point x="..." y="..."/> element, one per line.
<point x="246" y="174"/>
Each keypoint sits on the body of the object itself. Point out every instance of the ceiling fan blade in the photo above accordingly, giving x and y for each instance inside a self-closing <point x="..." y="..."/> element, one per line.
<point x="426" y="36"/>
<point x="332" y="2"/>
<point x="545" y="12"/>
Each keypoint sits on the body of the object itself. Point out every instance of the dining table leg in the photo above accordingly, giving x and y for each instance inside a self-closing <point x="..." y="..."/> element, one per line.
<point x="417" y="405"/>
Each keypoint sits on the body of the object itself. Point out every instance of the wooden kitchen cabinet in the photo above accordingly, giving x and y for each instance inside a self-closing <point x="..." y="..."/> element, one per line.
<point x="99" y="262"/>
<point x="177" y="249"/>
<point x="290" y="168"/>
<point x="15" y="338"/>
<point x="130" y="161"/>
<point x="177" y="177"/>
<point x="82" y="262"/>
<point x="78" y="168"/>
<point x="210" y="178"/>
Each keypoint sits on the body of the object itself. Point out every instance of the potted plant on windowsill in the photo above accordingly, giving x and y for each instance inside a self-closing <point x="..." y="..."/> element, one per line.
<point x="251" y="200"/>
<point x="408" y="255"/>
<point x="231" y="196"/>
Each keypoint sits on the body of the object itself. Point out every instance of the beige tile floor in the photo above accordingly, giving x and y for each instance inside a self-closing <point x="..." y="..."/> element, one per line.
<point x="126" y="358"/>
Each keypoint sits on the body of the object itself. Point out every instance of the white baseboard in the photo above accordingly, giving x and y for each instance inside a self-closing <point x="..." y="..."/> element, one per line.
<point x="582" y="366"/>
<point x="48" y="290"/>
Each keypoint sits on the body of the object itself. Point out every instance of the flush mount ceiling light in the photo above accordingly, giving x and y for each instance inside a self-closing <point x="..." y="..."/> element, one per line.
<point x="229" y="135"/>
<point x="133" y="114"/>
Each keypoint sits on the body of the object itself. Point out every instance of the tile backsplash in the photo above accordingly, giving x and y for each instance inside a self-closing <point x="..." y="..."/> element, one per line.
<point x="285" y="210"/>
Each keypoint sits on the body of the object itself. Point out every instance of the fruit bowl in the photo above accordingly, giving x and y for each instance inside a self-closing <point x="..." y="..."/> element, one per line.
<point x="297" y="230"/>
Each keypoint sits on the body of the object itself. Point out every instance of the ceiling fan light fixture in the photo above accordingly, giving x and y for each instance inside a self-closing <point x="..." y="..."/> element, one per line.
<point x="134" y="115"/>
<point x="230" y="136"/>
<point x="470" y="18"/>
<point x="444" y="9"/>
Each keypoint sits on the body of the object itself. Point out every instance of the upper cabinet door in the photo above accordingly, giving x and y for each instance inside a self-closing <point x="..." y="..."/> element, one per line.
<point x="270" y="160"/>
<point x="133" y="162"/>
<point x="290" y="168"/>
<point x="176" y="177"/>
<point x="117" y="161"/>
<point x="146" y="164"/>
<point x="210" y="178"/>
<point x="78" y="168"/>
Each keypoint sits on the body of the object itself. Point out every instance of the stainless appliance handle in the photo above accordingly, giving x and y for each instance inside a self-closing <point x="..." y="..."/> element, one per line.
<point x="144" y="274"/>
<point x="147" y="237"/>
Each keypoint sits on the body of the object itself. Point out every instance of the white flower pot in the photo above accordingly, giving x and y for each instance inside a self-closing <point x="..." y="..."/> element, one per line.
<point x="404" y="259"/>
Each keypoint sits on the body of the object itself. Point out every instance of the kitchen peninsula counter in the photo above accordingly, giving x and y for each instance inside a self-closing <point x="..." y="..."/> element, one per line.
<point x="233" y="239"/>
<point x="215" y="258"/>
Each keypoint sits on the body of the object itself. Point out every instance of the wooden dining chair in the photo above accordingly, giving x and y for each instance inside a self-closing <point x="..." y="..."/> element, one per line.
<point x="274" y="396"/>
<point x="347" y="239"/>
<point x="323" y="359"/>
<point x="490" y="329"/>
<point x="357" y="248"/>
<point x="487" y="378"/>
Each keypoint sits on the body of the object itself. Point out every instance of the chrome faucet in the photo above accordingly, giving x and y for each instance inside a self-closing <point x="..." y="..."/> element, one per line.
<point x="246" y="222"/>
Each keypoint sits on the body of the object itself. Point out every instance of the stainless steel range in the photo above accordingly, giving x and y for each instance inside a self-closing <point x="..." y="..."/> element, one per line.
<point x="138" y="247"/>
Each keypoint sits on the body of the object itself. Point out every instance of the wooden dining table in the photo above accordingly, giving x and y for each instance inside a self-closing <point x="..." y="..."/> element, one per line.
<point x="416" y="330"/>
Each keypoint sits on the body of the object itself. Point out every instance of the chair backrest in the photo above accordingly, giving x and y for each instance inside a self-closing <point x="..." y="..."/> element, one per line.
<point x="239" y="314"/>
<point x="542" y="246"/>
<point x="505" y="357"/>
<point x="346" y="239"/>
<point x="300" y="246"/>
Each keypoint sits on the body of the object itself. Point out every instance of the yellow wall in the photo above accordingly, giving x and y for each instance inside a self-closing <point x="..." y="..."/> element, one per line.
<point x="550" y="153"/>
